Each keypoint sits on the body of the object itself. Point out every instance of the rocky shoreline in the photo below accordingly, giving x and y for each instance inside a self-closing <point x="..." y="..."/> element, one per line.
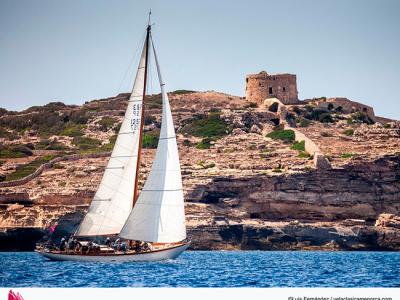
<point x="244" y="188"/>
<point x="272" y="236"/>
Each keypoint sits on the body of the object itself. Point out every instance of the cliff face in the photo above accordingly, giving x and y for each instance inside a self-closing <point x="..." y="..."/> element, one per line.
<point x="363" y="190"/>
<point x="247" y="184"/>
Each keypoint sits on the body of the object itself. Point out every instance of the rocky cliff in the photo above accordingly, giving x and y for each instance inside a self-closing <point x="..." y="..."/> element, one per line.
<point x="248" y="183"/>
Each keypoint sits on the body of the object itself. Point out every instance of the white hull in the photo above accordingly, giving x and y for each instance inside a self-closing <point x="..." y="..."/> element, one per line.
<point x="169" y="253"/>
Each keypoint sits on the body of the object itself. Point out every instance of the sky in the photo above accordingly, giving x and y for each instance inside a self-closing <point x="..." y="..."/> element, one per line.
<point x="80" y="50"/>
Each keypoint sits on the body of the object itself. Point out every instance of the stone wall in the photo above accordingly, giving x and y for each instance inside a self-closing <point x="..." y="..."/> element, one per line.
<point x="262" y="86"/>
<point x="320" y="161"/>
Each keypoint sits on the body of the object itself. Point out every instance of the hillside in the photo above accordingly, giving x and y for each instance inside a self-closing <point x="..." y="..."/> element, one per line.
<point x="314" y="175"/>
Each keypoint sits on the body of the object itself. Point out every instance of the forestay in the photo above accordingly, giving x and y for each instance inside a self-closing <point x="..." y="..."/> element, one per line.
<point x="113" y="200"/>
<point x="158" y="215"/>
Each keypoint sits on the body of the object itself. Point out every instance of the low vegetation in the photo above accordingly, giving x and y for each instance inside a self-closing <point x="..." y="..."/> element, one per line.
<point x="46" y="144"/>
<point x="304" y="123"/>
<point x="27" y="169"/>
<point x="187" y="143"/>
<point x="347" y="155"/>
<point x="304" y="154"/>
<point x="8" y="135"/>
<point x="110" y="145"/>
<point x="299" y="146"/>
<point x="348" y="132"/>
<point x="47" y="120"/>
<point x="204" y="143"/>
<point x="206" y="165"/>
<point x="181" y="92"/>
<point x="149" y="119"/>
<point x="286" y="135"/>
<point x="326" y="134"/>
<point x="86" y="144"/>
<point x="361" y="117"/>
<point x="250" y="105"/>
<point x="153" y="101"/>
<point x="72" y="130"/>
<point x="107" y="123"/>
<point x="14" y="151"/>
<point x="150" y="139"/>
<point x="210" y="125"/>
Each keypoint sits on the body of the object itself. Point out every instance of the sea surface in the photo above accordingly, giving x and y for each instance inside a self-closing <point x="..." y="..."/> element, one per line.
<point x="210" y="269"/>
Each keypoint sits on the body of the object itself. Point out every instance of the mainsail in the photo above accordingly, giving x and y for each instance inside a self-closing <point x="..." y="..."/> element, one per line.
<point x="158" y="215"/>
<point x="113" y="200"/>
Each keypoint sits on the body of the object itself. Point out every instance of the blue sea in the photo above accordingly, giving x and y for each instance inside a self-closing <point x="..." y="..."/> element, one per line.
<point x="210" y="269"/>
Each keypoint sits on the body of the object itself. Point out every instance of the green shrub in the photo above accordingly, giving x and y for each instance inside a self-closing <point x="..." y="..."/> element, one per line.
<point x="181" y="92"/>
<point x="15" y="151"/>
<point x="309" y="107"/>
<point x="297" y="110"/>
<point x="22" y="148"/>
<point x="80" y="116"/>
<point x="299" y="146"/>
<point x="72" y="130"/>
<point x="285" y="135"/>
<point x="362" y="118"/>
<point x="304" y="123"/>
<point x="326" y="134"/>
<point x="339" y="109"/>
<point x="320" y="115"/>
<point x="387" y="125"/>
<point x="9" y="135"/>
<point x="153" y="101"/>
<point x="304" y="154"/>
<point x="204" y="143"/>
<point x="348" y="132"/>
<point x="210" y="125"/>
<point x="2" y="162"/>
<point x="206" y="166"/>
<point x="46" y="144"/>
<point x="330" y="106"/>
<point x="347" y="155"/>
<point x="325" y="118"/>
<point x="149" y="120"/>
<point x="291" y="119"/>
<point x="27" y="169"/>
<point x="86" y="143"/>
<point x="117" y="128"/>
<point x="187" y="143"/>
<point x="150" y="139"/>
<point x="106" y="123"/>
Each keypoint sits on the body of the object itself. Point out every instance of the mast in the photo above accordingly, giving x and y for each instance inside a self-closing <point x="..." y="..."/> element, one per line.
<point x="147" y="42"/>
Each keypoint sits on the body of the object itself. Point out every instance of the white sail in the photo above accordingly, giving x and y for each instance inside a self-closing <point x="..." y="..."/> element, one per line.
<point x="158" y="215"/>
<point x="113" y="200"/>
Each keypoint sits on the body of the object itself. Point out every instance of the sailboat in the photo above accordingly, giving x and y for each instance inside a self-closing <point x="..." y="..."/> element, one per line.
<point x="155" y="216"/>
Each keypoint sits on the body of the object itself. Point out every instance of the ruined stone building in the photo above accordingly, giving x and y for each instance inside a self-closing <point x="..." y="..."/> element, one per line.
<point x="262" y="86"/>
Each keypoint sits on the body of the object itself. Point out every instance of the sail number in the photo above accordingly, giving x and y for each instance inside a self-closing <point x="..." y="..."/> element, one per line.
<point x="136" y="113"/>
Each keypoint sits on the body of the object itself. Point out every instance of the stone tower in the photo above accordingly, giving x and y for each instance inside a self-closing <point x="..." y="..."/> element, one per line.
<point x="262" y="86"/>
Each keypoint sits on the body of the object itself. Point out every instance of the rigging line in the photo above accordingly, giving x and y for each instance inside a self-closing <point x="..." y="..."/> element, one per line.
<point x="149" y="90"/>
<point x="133" y="58"/>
